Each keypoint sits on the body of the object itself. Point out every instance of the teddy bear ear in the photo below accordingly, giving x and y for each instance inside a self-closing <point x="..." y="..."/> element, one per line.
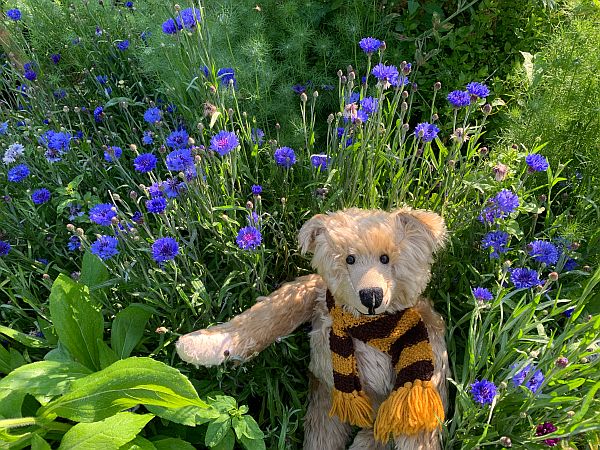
<point x="430" y="224"/>
<point x="307" y="237"/>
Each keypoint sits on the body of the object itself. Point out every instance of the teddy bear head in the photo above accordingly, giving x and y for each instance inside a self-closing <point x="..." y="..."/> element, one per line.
<point x="371" y="260"/>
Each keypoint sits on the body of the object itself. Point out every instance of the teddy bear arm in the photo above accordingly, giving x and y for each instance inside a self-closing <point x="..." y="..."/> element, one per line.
<point x="250" y="332"/>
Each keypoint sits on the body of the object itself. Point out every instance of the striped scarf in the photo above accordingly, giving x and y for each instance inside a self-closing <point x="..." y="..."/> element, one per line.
<point x="414" y="405"/>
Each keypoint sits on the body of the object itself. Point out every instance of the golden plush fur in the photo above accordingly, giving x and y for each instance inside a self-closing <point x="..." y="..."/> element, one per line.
<point x="409" y="238"/>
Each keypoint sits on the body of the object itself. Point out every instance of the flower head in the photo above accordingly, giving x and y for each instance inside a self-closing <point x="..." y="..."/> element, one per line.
<point x="482" y="294"/>
<point x="4" y="248"/>
<point x="524" y="278"/>
<point x="178" y="139"/>
<point x="369" y="105"/>
<point x="224" y="142"/>
<point x="102" y="214"/>
<point x="483" y="392"/>
<point x="156" y="205"/>
<point x="123" y="45"/>
<point x="369" y="45"/>
<point x="536" y="162"/>
<point x="164" y="249"/>
<point x="227" y="77"/>
<point x="189" y="17"/>
<point x="147" y="138"/>
<point x="169" y="26"/>
<point x="18" y="173"/>
<point x="40" y="196"/>
<point x="74" y="243"/>
<point x="256" y="189"/>
<point x="30" y="74"/>
<point x="387" y="75"/>
<point x="173" y="187"/>
<point x="3" y="128"/>
<point x="145" y="162"/>
<point x="497" y="241"/>
<point x="570" y="264"/>
<point x="152" y="115"/>
<point x="179" y="160"/>
<point x="547" y="428"/>
<point x="14" y="14"/>
<point x="285" y="157"/>
<point x="99" y="114"/>
<point x="544" y="252"/>
<point x="478" y="89"/>
<point x="500" y="206"/>
<point x="248" y="238"/>
<point x="459" y="99"/>
<point x="257" y="135"/>
<point x="13" y="152"/>
<point x="55" y="57"/>
<point x="427" y="132"/>
<point x="112" y="153"/>
<point x="105" y="247"/>
<point x="320" y="161"/>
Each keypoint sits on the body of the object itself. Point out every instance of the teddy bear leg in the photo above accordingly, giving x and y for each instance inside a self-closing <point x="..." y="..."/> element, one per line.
<point x="322" y="432"/>
<point x="422" y="441"/>
<point x="365" y="440"/>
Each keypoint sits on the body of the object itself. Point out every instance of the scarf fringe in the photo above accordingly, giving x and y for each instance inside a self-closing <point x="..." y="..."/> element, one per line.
<point x="413" y="408"/>
<point x="352" y="407"/>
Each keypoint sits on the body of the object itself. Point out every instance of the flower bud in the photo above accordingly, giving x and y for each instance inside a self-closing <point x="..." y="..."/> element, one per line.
<point x="404" y="94"/>
<point x="114" y="221"/>
<point x="70" y="227"/>
<point x="437" y="86"/>
<point x="434" y="118"/>
<point x="340" y="73"/>
<point x="303" y="97"/>
<point x="249" y="205"/>
<point x="487" y="108"/>
<point x="553" y="276"/>
<point x="344" y="79"/>
<point x="505" y="442"/>
<point x="315" y="94"/>
<point x="562" y="362"/>
<point x="46" y="276"/>
<point x="79" y="232"/>
<point x="500" y="171"/>
<point x="161" y="330"/>
<point x="330" y="118"/>
<point x="404" y="106"/>
<point x="133" y="147"/>
<point x="383" y="46"/>
<point x="65" y="109"/>
<point x="133" y="195"/>
<point x="570" y="414"/>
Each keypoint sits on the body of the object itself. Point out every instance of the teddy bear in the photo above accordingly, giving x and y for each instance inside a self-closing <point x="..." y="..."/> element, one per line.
<point x="378" y="354"/>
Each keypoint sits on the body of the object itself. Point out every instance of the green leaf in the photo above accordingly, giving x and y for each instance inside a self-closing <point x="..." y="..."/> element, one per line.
<point x="253" y="431"/>
<point x="139" y="443"/>
<point x="10" y="359"/>
<point x="38" y="443"/>
<point x="252" y="444"/>
<point x="48" y="331"/>
<point x="22" y="338"/>
<point x="122" y="385"/>
<point x="47" y="378"/>
<point x="78" y="324"/>
<point x="128" y="328"/>
<point x="172" y="444"/>
<point x="227" y="443"/>
<point x="217" y="430"/>
<point x="108" y="434"/>
<point x="106" y="354"/>
<point x="93" y="271"/>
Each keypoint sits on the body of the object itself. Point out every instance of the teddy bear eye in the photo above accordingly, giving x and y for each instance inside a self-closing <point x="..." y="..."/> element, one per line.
<point x="350" y="259"/>
<point x="384" y="259"/>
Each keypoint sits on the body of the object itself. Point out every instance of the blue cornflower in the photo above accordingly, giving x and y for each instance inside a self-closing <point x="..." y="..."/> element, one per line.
<point x="190" y="17"/>
<point x="147" y="138"/>
<point x="354" y="98"/>
<point x="257" y="135"/>
<point x="285" y="157"/>
<point x="145" y="162"/>
<point x="178" y="139"/>
<point x="55" y="57"/>
<point x="58" y="141"/>
<point x="18" y="173"/>
<point x="75" y="211"/>
<point x="152" y="115"/>
<point x="145" y="35"/>
<point x="173" y="187"/>
<point x="52" y="155"/>
<point x="14" y="14"/>
<point x="227" y="76"/>
<point x="544" y="252"/>
<point x="156" y="190"/>
<point x="171" y="108"/>
<point x="427" y="132"/>
<point x="129" y="5"/>
<point x="169" y="26"/>
<point x="98" y="31"/>
<point x="30" y="74"/>
<point x="248" y="238"/>
<point x="536" y="162"/>
<point x="99" y="114"/>
<point x="164" y="249"/>
<point x="74" y="243"/>
<point x="319" y="161"/>
<point x="459" y="99"/>
<point x="137" y="217"/>
<point x="369" y="45"/>
<point x="13" y="152"/>
<point x="102" y="214"/>
<point x="253" y="218"/>
<point x="59" y="94"/>
<point x="112" y="153"/>
<point x="4" y="248"/>
<point x="570" y="264"/>
<point x="483" y="392"/>
<point x="204" y="70"/>
<point x="534" y="383"/>
<point x="361" y="116"/>
<point x="298" y="88"/>
<point x="569" y="312"/>
<point x="156" y="205"/>
<point x="369" y="105"/>
<point x="123" y="45"/>
<point x="387" y="75"/>
<point x="3" y="127"/>
<point x="500" y="206"/>
<point x="179" y="160"/>
<point x="256" y="189"/>
<point x="105" y="247"/>
<point x="102" y="79"/>
<point x="40" y="196"/>
<point x="190" y="173"/>
<point x="224" y="142"/>
<point x="497" y="241"/>
<point x="482" y="294"/>
<point x="524" y="278"/>
<point x="478" y="89"/>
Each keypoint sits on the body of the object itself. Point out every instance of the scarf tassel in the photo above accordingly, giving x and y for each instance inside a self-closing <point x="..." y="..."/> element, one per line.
<point x="413" y="408"/>
<point x="352" y="407"/>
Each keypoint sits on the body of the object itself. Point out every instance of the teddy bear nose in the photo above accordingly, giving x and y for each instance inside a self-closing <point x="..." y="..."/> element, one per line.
<point x="371" y="297"/>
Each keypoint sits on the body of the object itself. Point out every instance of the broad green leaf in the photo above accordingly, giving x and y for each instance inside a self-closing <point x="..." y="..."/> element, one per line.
<point x="253" y="431"/>
<point x="227" y="443"/>
<point x="106" y="354"/>
<point x="47" y="378"/>
<point x="48" y="331"/>
<point x="38" y="443"/>
<point x="128" y="328"/>
<point x="188" y="415"/>
<point x="22" y="338"/>
<point x="239" y="426"/>
<point x="139" y="443"/>
<point x="78" y="323"/>
<point x="172" y="444"/>
<point x="216" y="430"/>
<point x="122" y="385"/>
<point x="93" y="271"/>
<point x="108" y="434"/>
<point x="252" y="444"/>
